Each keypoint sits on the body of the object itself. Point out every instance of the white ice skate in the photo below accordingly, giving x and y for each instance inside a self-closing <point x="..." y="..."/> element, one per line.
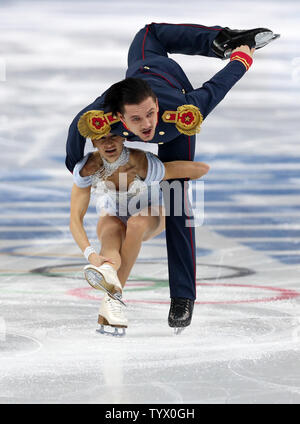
<point x="112" y="313"/>
<point x="104" y="278"/>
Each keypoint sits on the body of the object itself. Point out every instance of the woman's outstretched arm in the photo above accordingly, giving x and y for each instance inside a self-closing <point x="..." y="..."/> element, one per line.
<point x="185" y="169"/>
<point x="80" y="199"/>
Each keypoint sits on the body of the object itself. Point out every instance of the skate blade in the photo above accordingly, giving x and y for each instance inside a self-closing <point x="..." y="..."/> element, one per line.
<point x="261" y="40"/>
<point x="178" y="330"/>
<point x="118" y="332"/>
<point x="264" y="38"/>
<point x="96" y="280"/>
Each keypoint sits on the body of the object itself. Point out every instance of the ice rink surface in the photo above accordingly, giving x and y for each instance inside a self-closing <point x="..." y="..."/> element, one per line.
<point x="244" y="342"/>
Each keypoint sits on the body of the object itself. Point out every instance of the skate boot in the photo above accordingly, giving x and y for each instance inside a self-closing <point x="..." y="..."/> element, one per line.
<point x="112" y="314"/>
<point x="229" y="39"/>
<point x="180" y="314"/>
<point x="104" y="278"/>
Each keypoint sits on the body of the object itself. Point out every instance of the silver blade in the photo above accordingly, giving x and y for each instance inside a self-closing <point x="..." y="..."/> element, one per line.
<point x="118" y="332"/>
<point x="178" y="330"/>
<point x="94" y="279"/>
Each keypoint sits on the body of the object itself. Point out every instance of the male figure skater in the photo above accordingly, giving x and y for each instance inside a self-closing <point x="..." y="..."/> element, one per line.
<point x="156" y="103"/>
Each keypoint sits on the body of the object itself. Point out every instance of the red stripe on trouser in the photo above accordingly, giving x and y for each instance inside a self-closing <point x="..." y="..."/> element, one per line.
<point x="189" y="25"/>
<point x="143" y="46"/>
<point x="191" y="235"/>
<point x="163" y="23"/>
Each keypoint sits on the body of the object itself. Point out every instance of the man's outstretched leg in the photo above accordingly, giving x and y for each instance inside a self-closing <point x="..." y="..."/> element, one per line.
<point x="194" y="39"/>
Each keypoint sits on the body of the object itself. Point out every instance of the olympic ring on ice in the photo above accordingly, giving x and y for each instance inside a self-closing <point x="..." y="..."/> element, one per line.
<point x="280" y="294"/>
<point x="50" y="271"/>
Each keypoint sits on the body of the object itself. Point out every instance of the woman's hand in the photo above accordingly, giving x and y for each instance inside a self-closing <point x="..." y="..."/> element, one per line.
<point x="98" y="260"/>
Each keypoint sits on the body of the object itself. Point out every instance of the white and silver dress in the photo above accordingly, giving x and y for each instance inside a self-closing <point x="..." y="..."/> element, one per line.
<point x="140" y="195"/>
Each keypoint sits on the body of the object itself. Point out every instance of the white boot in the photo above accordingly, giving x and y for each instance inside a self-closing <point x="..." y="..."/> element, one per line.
<point x="112" y="313"/>
<point x="103" y="277"/>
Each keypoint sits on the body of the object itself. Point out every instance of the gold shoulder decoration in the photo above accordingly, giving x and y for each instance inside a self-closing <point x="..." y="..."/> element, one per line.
<point x="95" y="124"/>
<point x="187" y="119"/>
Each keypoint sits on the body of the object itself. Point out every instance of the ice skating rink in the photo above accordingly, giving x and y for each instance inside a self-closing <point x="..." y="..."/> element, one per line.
<point x="244" y="342"/>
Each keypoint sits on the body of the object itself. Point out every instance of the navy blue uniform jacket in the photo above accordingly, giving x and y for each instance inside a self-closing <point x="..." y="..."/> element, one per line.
<point x="148" y="60"/>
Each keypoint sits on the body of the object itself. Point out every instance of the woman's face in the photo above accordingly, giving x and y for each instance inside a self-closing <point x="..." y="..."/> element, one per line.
<point x="110" y="146"/>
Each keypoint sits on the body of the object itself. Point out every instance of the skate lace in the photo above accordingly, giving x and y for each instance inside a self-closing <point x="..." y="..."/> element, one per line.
<point x="181" y="305"/>
<point x="115" y="306"/>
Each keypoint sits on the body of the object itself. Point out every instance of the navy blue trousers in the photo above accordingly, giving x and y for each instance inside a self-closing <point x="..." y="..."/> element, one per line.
<point x="161" y="39"/>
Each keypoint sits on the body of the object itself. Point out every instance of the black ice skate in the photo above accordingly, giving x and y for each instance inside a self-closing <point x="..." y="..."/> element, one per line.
<point x="180" y="314"/>
<point x="229" y="39"/>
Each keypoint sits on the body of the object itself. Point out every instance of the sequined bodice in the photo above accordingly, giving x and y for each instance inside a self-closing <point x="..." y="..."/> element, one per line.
<point x="104" y="187"/>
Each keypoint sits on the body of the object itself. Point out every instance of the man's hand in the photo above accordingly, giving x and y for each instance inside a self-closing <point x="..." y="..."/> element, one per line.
<point x="93" y="164"/>
<point x="245" y="49"/>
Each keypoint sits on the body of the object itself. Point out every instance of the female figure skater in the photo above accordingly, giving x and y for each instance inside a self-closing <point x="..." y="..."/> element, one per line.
<point x="129" y="202"/>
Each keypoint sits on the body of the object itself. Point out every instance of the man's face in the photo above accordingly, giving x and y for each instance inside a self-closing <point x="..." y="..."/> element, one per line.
<point x="110" y="146"/>
<point x="141" y="119"/>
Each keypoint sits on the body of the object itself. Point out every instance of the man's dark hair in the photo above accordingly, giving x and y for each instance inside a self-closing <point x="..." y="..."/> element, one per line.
<point x="130" y="91"/>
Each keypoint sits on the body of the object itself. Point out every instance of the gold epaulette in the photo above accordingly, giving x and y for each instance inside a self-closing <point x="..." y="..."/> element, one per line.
<point x="187" y="119"/>
<point x="95" y="124"/>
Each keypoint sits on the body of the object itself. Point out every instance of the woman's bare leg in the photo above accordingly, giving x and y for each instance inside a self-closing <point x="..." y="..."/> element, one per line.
<point x="111" y="233"/>
<point x="139" y="229"/>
